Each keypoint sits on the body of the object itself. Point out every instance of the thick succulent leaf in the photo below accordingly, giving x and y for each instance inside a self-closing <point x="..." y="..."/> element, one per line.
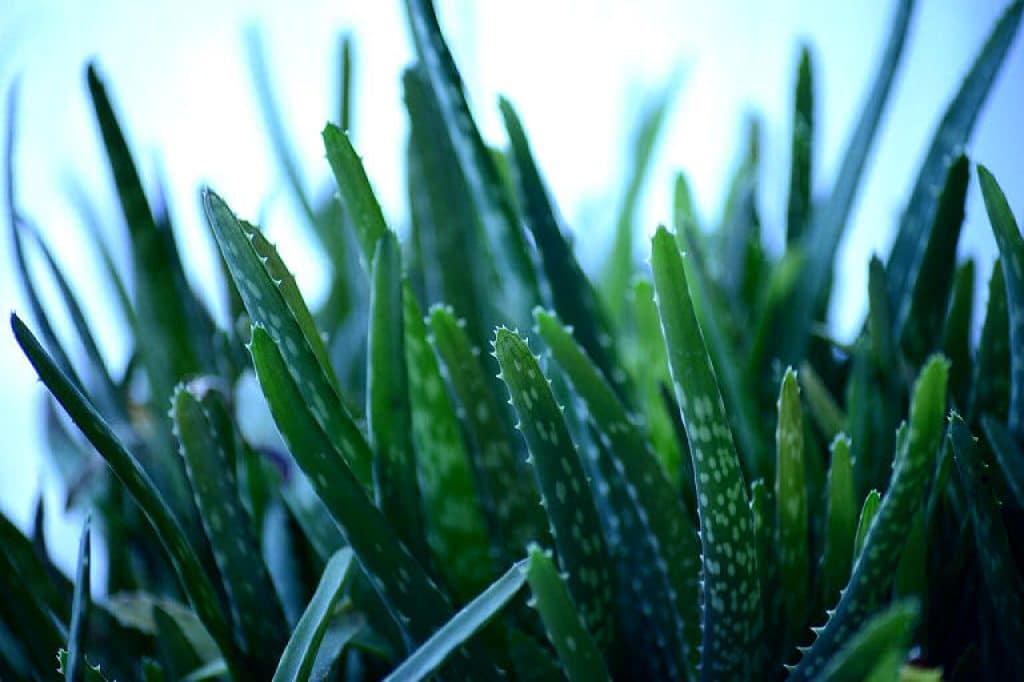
<point x="823" y="407"/>
<point x="193" y="580"/>
<point x="990" y="380"/>
<point x="880" y="316"/>
<point x="868" y="511"/>
<point x="801" y="160"/>
<point x="920" y="314"/>
<point x="1008" y="454"/>
<point x="267" y="305"/>
<point x="877" y="562"/>
<point x="577" y="649"/>
<point x="1011" y="253"/>
<point x="505" y="236"/>
<point x="840" y="523"/>
<point x="510" y="498"/>
<point x="883" y="641"/>
<point x="956" y="333"/>
<point x="731" y="600"/>
<point x="208" y="452"/>
<point x="791" y="531"/>
<point x="954" y="130"/>
<point x="357" y="196"/>
<point x="87" y="672"/>
<point x="387" y="400"/>
<point x="563" y="484"/>
<point x="995" y="553"/>
<point x="665" y="534"/>
<point x="463" y="625"/>
<point x="572" y="294"/>
<point x="300" y="653"/>
<point x="75" y="666"/>
<point x="455" y="525"/>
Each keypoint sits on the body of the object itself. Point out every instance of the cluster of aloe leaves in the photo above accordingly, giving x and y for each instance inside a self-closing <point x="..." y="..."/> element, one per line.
<point x="730" y="493"/>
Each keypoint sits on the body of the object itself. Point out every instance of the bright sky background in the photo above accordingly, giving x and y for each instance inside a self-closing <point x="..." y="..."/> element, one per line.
<point x="575" y="70"/>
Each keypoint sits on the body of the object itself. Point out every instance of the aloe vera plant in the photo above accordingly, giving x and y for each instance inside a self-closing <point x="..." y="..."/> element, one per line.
<point x="691" y="483"/>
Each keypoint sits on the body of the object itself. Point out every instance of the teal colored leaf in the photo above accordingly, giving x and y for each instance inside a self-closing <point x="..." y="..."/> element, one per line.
<point x="74" y="668"/>
<point x="880" y="316"/>
<point x="1011" y="253"/>
<point x="995" y="553"/>
<point x="208" y="450"/>
<point x="908" y="249"/>
<point x="883" y="641"/>
<point x="877" y="562"/>
<point x="345" y="83"/>
<point x="577" y="649"/>
<point x="193" y="580"/>
<point x="791" y="531"/>
<point x="463" y="625"/>
<point x="868" y="511"/>
<point x="138" y="611"/>
<point x="88" y="672"/>
<point x="665" y="530"/>
<point x="356" y="194"/>
<point x="762" y="513"/>
<point x="300" y="652"/>
<point x="564" y="487"/>
<point x="801" y="161"/>
<point x="731" y="601"/>
<point x="1008" y="454"/>
<point x="956" y="333"/>
<point x="737" y="242"/>
<point x="455" y="524"/>
<point x="990" y="380"/>
<point x="823" y="407"/>
<point x="268" y="305"/>
<point x="207" y="671"/>
<point x="840" y="522"/>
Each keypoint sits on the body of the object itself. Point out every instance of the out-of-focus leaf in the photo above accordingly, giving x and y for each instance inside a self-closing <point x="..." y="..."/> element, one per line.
<point x="74" y="668"/>
<point x="1008" y="454"/>
<point x="823" y="407"/>
<point x="990" y="381"/>
<point x="840" y="524"/>
<point x="791" y="531"/>
<point x="801" y="162"/>
<point x="877" y="650"/>
<point x="956" y="333"/>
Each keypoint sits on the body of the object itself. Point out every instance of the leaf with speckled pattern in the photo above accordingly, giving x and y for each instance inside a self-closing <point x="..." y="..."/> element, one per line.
<point x="732" y="613"/>
<point x="1011" y="254"/>
<point x="666" y="529"/>
<point x="575" y="526"/>
<point x="456" y="530"/>
<point x="576" y="648"/>
<point x="840" y="522"/>
<point x="873" y="571"/>
<point x="268" y="306"/>
<point x="882" y="642"/>
<point x="256" y="610"/>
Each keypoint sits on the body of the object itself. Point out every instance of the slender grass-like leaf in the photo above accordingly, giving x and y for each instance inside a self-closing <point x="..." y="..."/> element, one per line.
<point x="868" y="511"/>
<point x="840" y="523"/>
<point x="731" y="618"/>
<point x="74" y="669"/>
<point x="876" y="563"/>
<point x="878" y="649"/>
<point x="300" y="652"/>
<point x="463" y="625"/>
<point x="564" y="487"/>
<point x="801" y="162"/>
<point x="1008" y="454"/>
<point x="577" y="649"/>
<point x="791" y="531"/>
<point x="192" y="578"/>
<point x="990" y="382"/>
<point x="956" y="334"/>
<point x="345" y="82"/>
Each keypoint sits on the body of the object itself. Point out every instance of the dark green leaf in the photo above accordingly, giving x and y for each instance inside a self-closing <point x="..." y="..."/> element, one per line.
<point x="956" y="333"/>
<point x="990" y="381"/>
<point x="791" y="532"/>
<point x="801" y="162"/>
<point x="357" y="195"/>
<point x="878" y="649"/>
<point x="74" y="669"/>
<point x="841" y="522"/>
<point x="1008" y="454"/>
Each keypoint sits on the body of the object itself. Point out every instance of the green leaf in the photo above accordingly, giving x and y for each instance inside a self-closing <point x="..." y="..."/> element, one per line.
<point x="990" y="381"/>
<point x="208" y="451"/>
<point x="300" y="653"/>
<point x="511" y="500"/>
<point x="1011" y="253"/>
<point x="880" y="322"/>
<point x="956" y="333"/>
<point x="791" y="508"/>
<point x="884" y="640"/>
<point x="462" y="626"/>
<point x="823" y="407"/>
<point x="576" y="648"/>
<point x="564" y="487"/>
<point x="214" y="668"/>
<point x="345" y="83"/>
<point x="1008" y="454"/>
<point x="138" y="610"/>
<point x="89" y="673"/>
<point x="877" y="562"/>
<point x="269" y="305"/>
<point x="665" y="534"/>
<point x="456" y="529"/>
<point x="868" y="511"/>
<point x="801" y="162"/>
<point x="908" y="249"/>
<point x="731" y="600"/>
<point x="74" y="669"/>
<point x="762" y="512"/>
<point x="193" y="580"/>
<point x="356" y="194"/>
<point x="840" y="523"/>
<point x="995" y="554"/>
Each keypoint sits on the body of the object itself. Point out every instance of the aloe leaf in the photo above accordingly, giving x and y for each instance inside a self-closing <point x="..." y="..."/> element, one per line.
<point x="505" y="236"/>
<point x="667" y="534"/>
<point x="791" y="508"/>
<point x="531" y="661"/>
<point x="731" y="618"/>
<point x="208" y="451"/>
<point x="577" y="649"/>
<point x="268" y="305"/>
<point x="908" y="249"/>
<point x="88" y="672"/>
<point x="387" y="399"/>
<point x="995" y="554"/>
<point x="1011" y="253"/>
<point x="462" y="626"/>
<point x="206" y="671"/>
<point x="880" y="316"/>
<point x="456" y="529"/>
<point x="345" y="83"/>
<point x="956" y="333"/>
<point x="82" y="604"/>
<point x="572" y="294"/>
<point x="823" y="407"/>
<point x="300" y="652"/>
<point x="877" y="562"/>
<point x="738" y="236"/>
<point x="840" y="523"/>
<point x="563" y="484"/>
<point x="511" y="500"/>
<point x="990" y="380"/>
<point x="920" y="315"/>
<point x="175" y="649"/>
<point x="356" y="193"/>
<point x="193" y="580"/>
<point x="884" y="640"/>
<point x="1008" y="454"/>
<point x="801" y="163"/>
<point x="34" y="625"/>
<point x="620" y="263"/>
<point x="868" y="511"/>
